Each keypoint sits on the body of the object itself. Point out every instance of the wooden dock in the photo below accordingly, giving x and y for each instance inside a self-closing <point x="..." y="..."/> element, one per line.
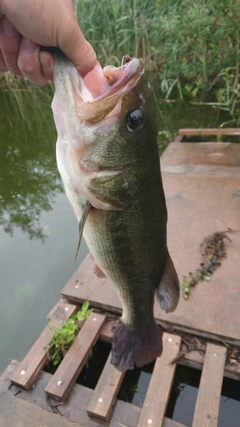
<point x="202" y="187"/>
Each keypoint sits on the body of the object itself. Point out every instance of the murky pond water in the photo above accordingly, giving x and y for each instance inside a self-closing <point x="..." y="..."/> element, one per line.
<point x="38" y="231"/>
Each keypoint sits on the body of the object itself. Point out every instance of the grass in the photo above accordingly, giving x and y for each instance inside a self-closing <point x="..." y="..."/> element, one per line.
<point x="63" y="338"/>
<point x="192" y="45"/>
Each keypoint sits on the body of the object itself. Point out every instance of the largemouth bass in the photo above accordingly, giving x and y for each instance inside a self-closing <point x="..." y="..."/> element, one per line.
<point x="107" y="155"/>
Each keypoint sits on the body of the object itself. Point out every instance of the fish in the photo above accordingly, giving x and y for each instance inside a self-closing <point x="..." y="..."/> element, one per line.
<point x="107" y="155"/>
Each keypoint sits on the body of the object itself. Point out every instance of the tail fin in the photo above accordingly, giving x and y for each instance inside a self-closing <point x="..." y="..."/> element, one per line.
<point x="167" y="292"/>
<point x="135" y="347"/>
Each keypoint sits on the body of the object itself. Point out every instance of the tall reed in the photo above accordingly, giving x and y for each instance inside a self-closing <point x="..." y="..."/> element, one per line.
<point x="192" y="39"/>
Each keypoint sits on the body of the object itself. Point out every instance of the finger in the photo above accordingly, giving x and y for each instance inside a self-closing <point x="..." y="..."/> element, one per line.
<point x="9" y="45"/>
<point x="77" y="48"/>
<point x="28" y="62"/>
<point x="47" y="63"/>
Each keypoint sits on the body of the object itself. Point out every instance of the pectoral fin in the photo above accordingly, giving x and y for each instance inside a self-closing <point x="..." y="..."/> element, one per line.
<point x="167" y="292"/>
<point x="81" y="224"/>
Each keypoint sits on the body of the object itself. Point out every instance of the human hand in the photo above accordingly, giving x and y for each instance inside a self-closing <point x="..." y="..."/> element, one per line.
<point x="27" y="26"/>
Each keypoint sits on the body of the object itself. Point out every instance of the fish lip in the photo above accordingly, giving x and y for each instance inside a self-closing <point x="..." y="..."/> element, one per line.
<point x="129" y="73"/>
<point x="93" y="111"/>
<point x="121" y="76"/>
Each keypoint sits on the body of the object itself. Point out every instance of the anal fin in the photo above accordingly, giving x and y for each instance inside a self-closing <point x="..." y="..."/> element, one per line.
<point x="167" y="292"/>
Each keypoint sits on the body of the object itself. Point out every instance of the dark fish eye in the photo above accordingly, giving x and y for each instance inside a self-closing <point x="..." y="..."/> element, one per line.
<point x="134" y="120"/>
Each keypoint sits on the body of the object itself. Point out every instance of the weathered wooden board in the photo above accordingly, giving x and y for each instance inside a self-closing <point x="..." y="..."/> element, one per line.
<point x="74" y="409"/>
<point x="104" y="395"/>
<point x="18" y="413"/>
<point x="209" y="393"/>
<point x="36" y="358"/>
<point x="197" y="207"/>
<point x="62" y="381"/>
<point x="155" y="403"/>
<point x="209" y="131"/>
<point x="202" y="187"/>
<point x="201" y="153"/>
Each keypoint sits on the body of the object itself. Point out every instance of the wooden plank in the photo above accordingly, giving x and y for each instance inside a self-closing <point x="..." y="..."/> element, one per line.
<point x="27" y="371"/>
<point x="178" y="138"/>
<point x="213" y="131"/>
<point x="104" y="395"/>
<point x="193" y="359"/>
<point x="190" y="154"/>
<point x="18" y="413"/>
<point x="84" y="285"/>
<point x="209" y="393"/>
<point x="62" y="381"/>
<point x="158" y="393"/>
<point x="198" y="205"/>
<point x="74" y="409"/>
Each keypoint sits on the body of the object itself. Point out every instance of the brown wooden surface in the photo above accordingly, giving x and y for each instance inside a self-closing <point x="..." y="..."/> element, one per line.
<point x="74" y="409"/>
<point x="221" y="155"/>
<point x="209" y="393"/>
<point x="104" y="395"/>
<point x="155" y="403"/>
<point x="35" y="359"/>
<point x="210" y="131"/>
<point x="18" y="413"/>
<point x="199" y="205"/>
<point x="202" y="187"/>
<point x="69" y="369"/>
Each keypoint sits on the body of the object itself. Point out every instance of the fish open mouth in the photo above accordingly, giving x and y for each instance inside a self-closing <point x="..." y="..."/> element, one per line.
<point x="99" y="94"/>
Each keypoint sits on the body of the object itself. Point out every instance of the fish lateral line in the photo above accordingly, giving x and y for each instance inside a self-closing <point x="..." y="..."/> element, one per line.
<point x="81" y="224"/>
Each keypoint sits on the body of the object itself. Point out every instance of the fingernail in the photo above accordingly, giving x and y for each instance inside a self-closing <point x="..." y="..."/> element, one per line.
<point x="7" y="28"/>
<point x="28" y="46"/>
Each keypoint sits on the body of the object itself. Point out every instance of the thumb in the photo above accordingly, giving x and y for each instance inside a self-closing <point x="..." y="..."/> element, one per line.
<point x="78" y="49"/>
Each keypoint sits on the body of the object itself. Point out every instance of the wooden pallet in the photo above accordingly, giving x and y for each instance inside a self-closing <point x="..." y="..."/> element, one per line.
<point x="87" y="407"/>
<point x="202" y="186"/>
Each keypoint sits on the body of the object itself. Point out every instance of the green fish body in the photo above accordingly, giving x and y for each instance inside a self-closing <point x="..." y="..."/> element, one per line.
<point x="107" y="155"/>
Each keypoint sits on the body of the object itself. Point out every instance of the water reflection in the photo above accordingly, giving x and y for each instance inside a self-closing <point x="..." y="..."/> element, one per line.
<point x="29" y="179"/>
<point x="33" y="205"/>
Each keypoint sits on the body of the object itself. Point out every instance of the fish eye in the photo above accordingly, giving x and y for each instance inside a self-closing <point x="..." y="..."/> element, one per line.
<point x="134" y="120"/>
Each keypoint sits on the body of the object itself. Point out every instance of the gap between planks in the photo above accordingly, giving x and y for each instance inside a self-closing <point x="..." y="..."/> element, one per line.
<point x="37" y="356"/>
<point x="74" y="409"/>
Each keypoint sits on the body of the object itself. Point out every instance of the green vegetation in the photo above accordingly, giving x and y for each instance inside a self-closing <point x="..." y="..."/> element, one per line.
<point x="192" y="45"/>
<point x="192" y="40"/>
<point x="212" y="249"/>
<point x="64" y="337"/>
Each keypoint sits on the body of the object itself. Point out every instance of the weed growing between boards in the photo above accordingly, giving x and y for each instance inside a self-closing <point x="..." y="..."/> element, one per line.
<point x="63" y="338"/>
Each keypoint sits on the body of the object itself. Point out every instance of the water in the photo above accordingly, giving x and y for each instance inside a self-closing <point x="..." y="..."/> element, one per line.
<point x="38" y="231"/>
